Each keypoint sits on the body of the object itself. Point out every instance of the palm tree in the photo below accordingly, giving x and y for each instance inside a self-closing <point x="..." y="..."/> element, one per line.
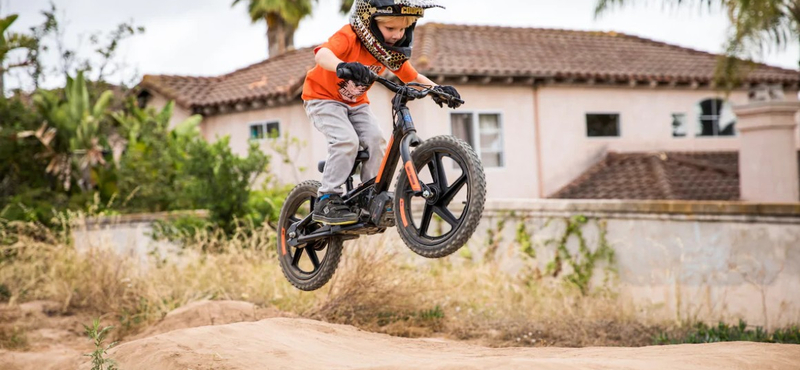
<point x="282" y="17"/>
<point x="756" y="26"/>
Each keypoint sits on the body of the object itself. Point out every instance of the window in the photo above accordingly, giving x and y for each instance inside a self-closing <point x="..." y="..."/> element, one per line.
<point x="679" y="128"/>
<point x="260" y="131"/>
<point x="484" y="132"/>
<point x="256" y="132"/>
<point x="273" y="129"/>
<point x="602" y="125"/>
<point x="715" y="118"/>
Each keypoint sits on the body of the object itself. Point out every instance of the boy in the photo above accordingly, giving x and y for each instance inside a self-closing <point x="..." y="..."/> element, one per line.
<point x="379" y="36"/>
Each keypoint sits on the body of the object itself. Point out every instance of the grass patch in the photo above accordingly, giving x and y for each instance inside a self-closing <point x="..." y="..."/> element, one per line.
<point x="722" y="332"/>
<point x="13" y="338"/>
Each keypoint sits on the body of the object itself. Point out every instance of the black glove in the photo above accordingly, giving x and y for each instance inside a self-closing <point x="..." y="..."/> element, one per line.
<point x="449" y="90"/>
<point x="354" y="71"/>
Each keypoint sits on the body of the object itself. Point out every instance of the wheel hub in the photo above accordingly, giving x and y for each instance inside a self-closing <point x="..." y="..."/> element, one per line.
<point x="433" y="197"/>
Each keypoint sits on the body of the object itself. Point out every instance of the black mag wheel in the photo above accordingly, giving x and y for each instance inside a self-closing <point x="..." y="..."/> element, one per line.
<point x="440" y="225"/>
<point x="307" y="266"/>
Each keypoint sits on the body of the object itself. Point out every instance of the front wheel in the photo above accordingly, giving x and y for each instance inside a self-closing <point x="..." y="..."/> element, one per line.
<point x="441" y="224"/>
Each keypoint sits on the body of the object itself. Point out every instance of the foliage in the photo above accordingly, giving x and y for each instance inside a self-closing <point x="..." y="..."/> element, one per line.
<point x="282" y="18"/>
<point x="702" y="333"/>
<point x="222" y="180"/>
<point x="74" y="134"/>
<point x="583" y="263"/>
<point x="49" y="37"/>
<point x="98" y="335"/>
<point x="23" y="170"/>
<point x="151" y="169"/>
<point x="10" y="41"/>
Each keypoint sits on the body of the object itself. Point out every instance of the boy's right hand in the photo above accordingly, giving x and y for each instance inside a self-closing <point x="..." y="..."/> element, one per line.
<point x="354" y="71"/>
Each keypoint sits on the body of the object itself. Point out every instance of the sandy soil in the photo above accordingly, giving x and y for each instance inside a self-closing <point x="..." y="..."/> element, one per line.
<point x="292" y="343"/>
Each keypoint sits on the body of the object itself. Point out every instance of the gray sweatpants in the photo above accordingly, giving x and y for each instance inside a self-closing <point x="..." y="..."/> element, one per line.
<point x="346" y="128"/>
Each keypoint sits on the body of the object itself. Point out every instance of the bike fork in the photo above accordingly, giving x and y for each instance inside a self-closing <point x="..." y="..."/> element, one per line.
<point x="409" y="140"/>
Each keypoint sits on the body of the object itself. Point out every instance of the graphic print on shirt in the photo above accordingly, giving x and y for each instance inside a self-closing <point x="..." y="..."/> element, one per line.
<point x="351" y="91"/>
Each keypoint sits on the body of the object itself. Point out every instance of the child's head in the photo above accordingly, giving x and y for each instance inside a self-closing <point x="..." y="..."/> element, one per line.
<point x="393" y="29"/>
<point x="386" y="27"/>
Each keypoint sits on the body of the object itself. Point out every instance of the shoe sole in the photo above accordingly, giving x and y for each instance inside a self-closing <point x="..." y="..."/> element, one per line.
<point x="333" y="222"/>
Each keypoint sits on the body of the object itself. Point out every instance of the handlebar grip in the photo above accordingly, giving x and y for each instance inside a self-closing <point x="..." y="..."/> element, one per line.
<point x="347" y="74"/>
<point x="344" y="73"/>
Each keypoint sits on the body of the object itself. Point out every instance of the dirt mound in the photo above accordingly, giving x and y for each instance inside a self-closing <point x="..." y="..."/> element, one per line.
<point x="57" y="341"/>
<point x="226" y="335"/>
<point x="204" y="313"/>
<point x="283" y="343"/>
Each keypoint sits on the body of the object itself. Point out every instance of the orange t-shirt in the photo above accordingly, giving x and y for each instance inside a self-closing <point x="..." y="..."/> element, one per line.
<point x="322" y="84"/>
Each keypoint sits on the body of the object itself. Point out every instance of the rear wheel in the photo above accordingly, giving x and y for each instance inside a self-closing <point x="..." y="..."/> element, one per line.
<point x="307" y="266"/>
<point x="441" y="224"/>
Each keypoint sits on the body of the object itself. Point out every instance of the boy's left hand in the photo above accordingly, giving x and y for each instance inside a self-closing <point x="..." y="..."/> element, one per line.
<point x="449" y="90"/>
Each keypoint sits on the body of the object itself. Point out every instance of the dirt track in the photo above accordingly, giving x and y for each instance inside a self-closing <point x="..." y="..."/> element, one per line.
<point x="291" y="343"/>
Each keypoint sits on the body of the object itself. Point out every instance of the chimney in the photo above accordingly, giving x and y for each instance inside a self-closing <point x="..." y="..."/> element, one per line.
<point x="768" y="153"/>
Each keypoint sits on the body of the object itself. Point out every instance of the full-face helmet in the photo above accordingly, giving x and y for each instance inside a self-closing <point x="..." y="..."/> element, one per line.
<point x="364" y="25"/>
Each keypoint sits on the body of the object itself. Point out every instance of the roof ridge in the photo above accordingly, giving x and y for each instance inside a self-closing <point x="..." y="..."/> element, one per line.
<point x="701" y="164"/>
<point x="656" y="161"/>
<point x="268" y="60"/>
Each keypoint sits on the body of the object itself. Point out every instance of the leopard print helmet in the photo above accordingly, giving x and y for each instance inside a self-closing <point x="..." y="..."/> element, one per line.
<point x="363" y="22"/>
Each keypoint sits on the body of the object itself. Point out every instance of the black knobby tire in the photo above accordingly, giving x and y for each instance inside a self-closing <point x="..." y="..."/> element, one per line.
<point x="414" y="231"/>
<point x="293" y="259"/>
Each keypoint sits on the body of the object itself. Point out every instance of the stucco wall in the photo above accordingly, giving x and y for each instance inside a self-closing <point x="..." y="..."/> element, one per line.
<point x="675" y="260"/>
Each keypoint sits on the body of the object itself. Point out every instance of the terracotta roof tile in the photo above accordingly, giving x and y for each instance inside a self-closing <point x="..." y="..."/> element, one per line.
<point x="457" y="50"/>
<point x="279" y="76"/>
<point x="664" y="175"/>
<point x="504" y="51"/>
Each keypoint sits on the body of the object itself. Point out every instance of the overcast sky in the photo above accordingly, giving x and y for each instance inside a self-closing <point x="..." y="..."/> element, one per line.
<point x="209" y="37"/>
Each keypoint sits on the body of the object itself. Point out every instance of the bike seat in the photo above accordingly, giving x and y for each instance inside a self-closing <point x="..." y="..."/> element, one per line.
<point x="361" y="156"/>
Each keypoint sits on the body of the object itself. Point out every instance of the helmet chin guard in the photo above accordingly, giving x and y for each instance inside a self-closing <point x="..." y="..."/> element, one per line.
<point x="363" y="22"/>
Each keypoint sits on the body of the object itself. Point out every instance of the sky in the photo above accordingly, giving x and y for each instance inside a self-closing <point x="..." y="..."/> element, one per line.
<point x="210" y="37"/>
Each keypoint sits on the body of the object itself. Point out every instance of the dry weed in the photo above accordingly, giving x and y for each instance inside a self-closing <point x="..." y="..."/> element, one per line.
<point x="374" y="289"/>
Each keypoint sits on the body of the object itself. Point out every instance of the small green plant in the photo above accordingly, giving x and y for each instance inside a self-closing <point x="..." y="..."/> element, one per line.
<point x="703" y="333"/>
<point x="98" y="336"/>
<point x="13" y="338"/>
<point x="524" y="240"/>
<point x="583" y="263"/>
<point x="495" y="236"/>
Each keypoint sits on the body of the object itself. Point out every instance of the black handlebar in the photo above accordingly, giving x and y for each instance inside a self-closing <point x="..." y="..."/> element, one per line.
<point x="409" y="91"/>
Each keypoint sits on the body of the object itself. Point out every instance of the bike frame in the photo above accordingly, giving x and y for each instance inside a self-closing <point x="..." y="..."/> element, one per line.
<point x="404" y="137"/>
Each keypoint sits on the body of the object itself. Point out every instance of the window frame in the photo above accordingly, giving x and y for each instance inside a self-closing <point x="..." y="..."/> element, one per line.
<point x="597" y="113"/>
<point x="264" y="131"/>
<point x="685" y="123"/>
<point x="717" y="128"/>
<point x="476" y="134"/>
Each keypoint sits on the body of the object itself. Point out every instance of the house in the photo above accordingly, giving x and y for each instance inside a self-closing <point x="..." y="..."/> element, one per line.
<point x="543" y="106"/>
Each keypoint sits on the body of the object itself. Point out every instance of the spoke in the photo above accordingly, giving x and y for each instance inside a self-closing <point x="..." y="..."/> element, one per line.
<point x="296" y="258"/>
<point x="437" y="171"/>
<point x="313" y="255"/>
<point x="448" y="196"/>
<point x="446" y="215"/>
<point x="425" y="224"/>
